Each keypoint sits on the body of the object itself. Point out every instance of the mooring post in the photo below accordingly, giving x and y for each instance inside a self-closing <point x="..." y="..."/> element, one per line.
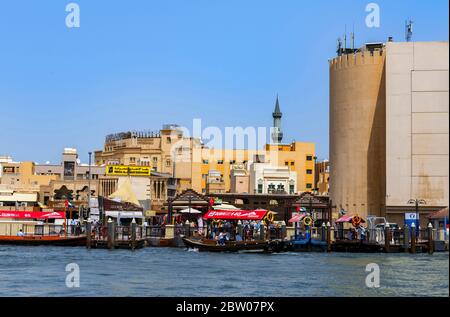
<point x="430" y="239"/>
<point x="413" y="238"/>
<point x="239" y="228"/>
<point x="406" y="238"/>
<point x="283" y="230"/>
<point x="88" y="233"/>
<point x="133" y="234"/>
<point x="329" y="236"/>
<point x="324" y="232"/>
<point x="387" y="237"/>
<point x="111" y="234"/>
<point x="187" y="227"/>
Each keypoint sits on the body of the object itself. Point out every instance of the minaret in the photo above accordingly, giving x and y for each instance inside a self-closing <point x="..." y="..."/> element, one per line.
<point x="277" y="134"/>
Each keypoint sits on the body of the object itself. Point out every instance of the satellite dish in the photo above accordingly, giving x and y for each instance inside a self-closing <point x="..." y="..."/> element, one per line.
<point x="78" y="161"/>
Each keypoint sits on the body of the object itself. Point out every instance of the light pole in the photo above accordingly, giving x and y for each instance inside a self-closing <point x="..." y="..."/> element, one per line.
<point x="417" y="202"/>
<point x="315" y="175"/>
<point x="89" y="185"/>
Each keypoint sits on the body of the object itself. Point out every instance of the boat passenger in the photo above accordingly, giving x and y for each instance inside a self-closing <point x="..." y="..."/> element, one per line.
<point x="20" y="233"/>
<point x="362" y="233"/>
<point x="222" y="238"/>
<point x="350" y="234"/>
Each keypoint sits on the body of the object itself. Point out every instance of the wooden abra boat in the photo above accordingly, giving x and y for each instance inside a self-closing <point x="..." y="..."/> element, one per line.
<point x="234" y="246"/>
<point x="44" y="240"/>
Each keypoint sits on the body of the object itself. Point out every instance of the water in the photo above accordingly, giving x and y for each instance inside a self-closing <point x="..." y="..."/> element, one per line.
<point x="40" y="271"/>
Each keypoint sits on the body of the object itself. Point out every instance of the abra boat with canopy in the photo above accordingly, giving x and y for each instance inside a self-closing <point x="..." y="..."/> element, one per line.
<point x="38" y="228"/>
<point x="236" y="225"/>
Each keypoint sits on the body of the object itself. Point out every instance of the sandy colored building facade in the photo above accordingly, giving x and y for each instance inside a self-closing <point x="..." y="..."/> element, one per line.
<point x="192" y="163"/>
<point x="389" y="129"/>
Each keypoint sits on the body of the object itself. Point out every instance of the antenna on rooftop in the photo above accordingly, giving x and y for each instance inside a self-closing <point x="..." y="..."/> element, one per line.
<point x="339" y="46"/>
<point x="353" y="37"/>
<point x="408" y="30"/>
<point x="345" y="38"/>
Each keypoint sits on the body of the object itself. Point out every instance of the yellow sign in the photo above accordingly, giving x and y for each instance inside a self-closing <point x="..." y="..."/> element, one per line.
<point x="123" y="170"/>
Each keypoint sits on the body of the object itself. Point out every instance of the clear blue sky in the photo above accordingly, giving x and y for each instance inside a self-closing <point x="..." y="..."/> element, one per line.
<point x="139" y="64"/>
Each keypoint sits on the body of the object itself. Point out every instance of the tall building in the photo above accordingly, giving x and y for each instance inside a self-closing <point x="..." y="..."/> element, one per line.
<point x="389" y="129"/>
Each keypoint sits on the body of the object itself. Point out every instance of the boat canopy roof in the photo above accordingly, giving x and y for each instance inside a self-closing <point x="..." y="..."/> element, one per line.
<point x="32" y="214"/>
<point x="257" y="214"/>
<point x="348" y="219"/>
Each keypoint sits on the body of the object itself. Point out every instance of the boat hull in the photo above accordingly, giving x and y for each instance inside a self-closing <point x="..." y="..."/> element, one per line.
<point x="44" y="240"/>
<point x="234" y="246"/>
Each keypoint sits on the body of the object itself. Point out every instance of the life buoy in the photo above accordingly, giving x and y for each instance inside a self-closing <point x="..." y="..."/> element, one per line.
<point x="269" y="217"/>
<point x="307" y="221"/>
<point x="356" y="220"/>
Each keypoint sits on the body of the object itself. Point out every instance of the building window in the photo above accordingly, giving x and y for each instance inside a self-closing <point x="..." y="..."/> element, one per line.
<point x="132" y="160"/>
<point x="168" y="163"/>
<point x="260" y="188"/>
<point x="309" y="172"/>
<point x="291" y="189"/>
<point x="292" y="163"/>
<point x="271" y="189"/>
<point x="169" y="139"/>
<point x="280" y="188"/>
<point x="220" y="162"/>
<point x="205" y="162"/>
<point x="286" y="163"/>
<point x="308" y="185"/>
<point x="309" y="158"/>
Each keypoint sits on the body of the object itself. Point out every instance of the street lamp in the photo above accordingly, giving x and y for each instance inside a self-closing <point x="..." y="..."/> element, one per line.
<point x="315" y="174"/>
<point x="89" y="185"/>
<point x="417" y="202"/>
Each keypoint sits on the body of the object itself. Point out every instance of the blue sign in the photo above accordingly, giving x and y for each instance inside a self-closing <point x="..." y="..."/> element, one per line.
<point x="410" y="218"/>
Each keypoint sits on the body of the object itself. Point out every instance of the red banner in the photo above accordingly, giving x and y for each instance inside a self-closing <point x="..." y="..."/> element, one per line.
<point x="236" y="214"/>
<point x="31" y="214"/>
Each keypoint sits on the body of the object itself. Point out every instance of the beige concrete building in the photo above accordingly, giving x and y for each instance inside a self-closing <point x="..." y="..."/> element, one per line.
<point x="239" y="179"/>
<point x="322" y="180"/>
<point x="389" y="128"/>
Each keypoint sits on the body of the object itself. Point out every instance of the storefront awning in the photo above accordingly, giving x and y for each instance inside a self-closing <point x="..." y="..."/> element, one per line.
<point x="236" y="214"/>
<point x="32" y="214"/>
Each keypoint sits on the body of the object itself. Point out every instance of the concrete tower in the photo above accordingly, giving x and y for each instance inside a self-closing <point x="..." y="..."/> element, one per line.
<point x="277" y="134"/>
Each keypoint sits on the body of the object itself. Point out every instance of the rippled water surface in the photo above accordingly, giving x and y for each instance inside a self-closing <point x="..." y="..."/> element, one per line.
<point x="40" y="271"/>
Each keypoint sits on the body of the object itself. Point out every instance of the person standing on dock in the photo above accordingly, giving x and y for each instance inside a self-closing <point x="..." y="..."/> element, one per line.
<point x="362" y="233"/>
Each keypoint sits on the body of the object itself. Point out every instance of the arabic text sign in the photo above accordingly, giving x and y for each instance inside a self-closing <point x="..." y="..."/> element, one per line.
<point x="123" y="170"/>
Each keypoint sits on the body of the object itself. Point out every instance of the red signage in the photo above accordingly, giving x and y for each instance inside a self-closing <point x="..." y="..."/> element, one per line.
<point x="236" y="214"/>
<point x="31" y="214"/>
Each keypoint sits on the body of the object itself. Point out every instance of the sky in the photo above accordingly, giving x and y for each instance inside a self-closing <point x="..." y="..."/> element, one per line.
<point x="139" y="64"/>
